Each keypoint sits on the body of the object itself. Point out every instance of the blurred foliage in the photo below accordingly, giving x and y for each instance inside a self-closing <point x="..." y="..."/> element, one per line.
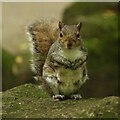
<point x="100" y="35"/>
<point x="15" y="69"/>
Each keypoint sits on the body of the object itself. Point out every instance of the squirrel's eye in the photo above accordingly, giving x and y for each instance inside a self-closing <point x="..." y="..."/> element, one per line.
<point x="61" y="35"/>
<point x="78" y="35"/>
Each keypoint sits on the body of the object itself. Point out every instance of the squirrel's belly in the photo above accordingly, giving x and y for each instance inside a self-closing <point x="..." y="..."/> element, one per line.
<point x="68" y="79"/>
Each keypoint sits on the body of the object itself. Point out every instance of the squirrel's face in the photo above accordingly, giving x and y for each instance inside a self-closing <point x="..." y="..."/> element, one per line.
<point x="69" y="36"/>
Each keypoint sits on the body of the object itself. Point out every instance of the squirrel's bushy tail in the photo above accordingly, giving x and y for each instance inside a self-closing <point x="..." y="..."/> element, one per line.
<point x="42" y="34"/>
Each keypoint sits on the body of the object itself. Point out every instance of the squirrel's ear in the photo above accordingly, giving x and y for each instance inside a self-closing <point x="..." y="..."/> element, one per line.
<point x="61" y="25"/>
<point x="79" y="25"/>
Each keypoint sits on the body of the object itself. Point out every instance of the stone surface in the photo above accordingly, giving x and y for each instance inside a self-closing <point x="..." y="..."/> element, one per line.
<point x="30" y="101"/>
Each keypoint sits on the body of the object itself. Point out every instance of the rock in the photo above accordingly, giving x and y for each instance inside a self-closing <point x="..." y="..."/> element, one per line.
<point x="30" y="101"/>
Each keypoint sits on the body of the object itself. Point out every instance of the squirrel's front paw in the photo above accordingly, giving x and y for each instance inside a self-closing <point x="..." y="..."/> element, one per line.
<point x="68" y="63"/>
<point x="58" y="97"/>
<point x="76" y="63"/>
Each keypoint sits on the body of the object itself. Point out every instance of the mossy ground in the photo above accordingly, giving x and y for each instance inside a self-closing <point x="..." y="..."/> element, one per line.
<point x="30" y="101"/>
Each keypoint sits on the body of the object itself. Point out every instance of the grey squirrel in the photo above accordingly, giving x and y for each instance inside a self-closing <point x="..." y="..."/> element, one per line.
<point x="58" y="58"/>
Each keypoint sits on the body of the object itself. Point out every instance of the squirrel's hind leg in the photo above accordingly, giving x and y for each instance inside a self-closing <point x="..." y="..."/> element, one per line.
<point x="51" y="83"/>
<point x="52" y="88"/>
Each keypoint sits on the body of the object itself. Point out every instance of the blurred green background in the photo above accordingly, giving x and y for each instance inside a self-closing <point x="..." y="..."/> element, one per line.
<point x="100" y="35"/>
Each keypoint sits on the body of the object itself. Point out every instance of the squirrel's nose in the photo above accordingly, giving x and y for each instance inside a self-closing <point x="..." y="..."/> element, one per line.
<point x="69" y="45"/>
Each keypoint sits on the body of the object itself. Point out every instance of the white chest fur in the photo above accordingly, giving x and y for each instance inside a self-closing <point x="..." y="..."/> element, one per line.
<point x="72" y="54"/>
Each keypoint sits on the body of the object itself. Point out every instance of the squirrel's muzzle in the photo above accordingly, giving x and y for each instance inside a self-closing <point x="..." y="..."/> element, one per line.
<point x="69" y="45"/>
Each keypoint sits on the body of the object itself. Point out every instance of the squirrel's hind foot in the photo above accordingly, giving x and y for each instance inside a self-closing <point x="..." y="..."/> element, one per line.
<point x="76" y="97"/>
<point x="58" y="97"/>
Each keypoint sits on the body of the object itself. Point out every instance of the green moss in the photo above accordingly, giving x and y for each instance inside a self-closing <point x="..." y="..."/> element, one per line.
<point x="30" y="101"/>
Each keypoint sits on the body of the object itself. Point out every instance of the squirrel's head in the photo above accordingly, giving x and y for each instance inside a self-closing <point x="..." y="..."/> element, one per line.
<point x="69" y="36"/>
